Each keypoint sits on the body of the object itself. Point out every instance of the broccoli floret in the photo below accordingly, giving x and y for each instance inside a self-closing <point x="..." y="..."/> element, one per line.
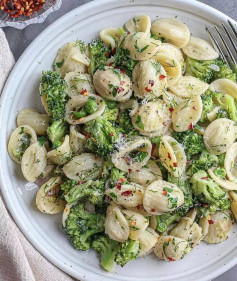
<point x="126" y="125"/>
<point x="163" y="221"/>
<point x="91" y="190"/>
<point x="205" y="188"/>
<point x="128" y="251"/>
<point x="208" y="105"/>
<point x="111" y="111"/>
<point x="55" y="89"/>
<point x="208" y="209"/>
<point x="116" y="175"/>
<point x="67" y="185"/>
<point x="107" y="249"/>
<point x="101" y="135"/>
<point x="220" y="173"/>
<point x="57" y="130"/>
<point x="191" y="141"/>
<point x="99" y="54"/>
<point x="204" y="162"/>
<point x="82" y="225"/>
<point x="222" y="114"/>
<point x="224" y="71"/>
<point x="123" y="61"/>
<point x="221" y="159"/>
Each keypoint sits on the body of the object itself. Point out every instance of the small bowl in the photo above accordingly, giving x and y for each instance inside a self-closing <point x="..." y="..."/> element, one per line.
<point x="37" y="17"/>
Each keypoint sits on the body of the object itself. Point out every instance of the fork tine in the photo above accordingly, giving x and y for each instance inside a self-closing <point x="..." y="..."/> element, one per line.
<point x="226" y="46"/>
<point x="216" y="45"/>
<point x="228" y="34"/>
<point x="232" y="27"/>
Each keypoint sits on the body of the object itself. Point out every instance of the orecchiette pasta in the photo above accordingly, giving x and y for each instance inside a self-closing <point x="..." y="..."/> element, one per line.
<point x="162" y="197"/>
<point x="139" y="209"/>
<point x="66" y="212"/>
<point x="21" y="138"/>
<point x="148" y="240"/>
<point x="47" y="170"/>
<point x="211" y="116"/>
<point x="132" y="105"/>
<point x="172" y="30"/>
<point x="111" y="36"/>
<point x="200" y="49"/>
<point x="31" y="117"/>
<point x="34" y="161"/>
<point x="171" y="248"/>
<point x="226" y="184"/>
<point x="152" y="119"/>
<point x="149" y="79"/>
<point x="171" y="99"/>
<point x="137" y="223"/>
<point x="225" y="86"/>
<point x="47" y="200"/>
<point x="231" y="163"/>
<point x="187" y="114"/>
<point x="172" y="156"/>
<point x="116" y="226"/>
<point x="86" y="166"/>
<point x="233" y="197"/>
<point x="77" y="140"/>
<point x="140" y="24"/>
<point x="112" y="84"/>
<point x="72" y="57"/>
<point x="220" y="135"/>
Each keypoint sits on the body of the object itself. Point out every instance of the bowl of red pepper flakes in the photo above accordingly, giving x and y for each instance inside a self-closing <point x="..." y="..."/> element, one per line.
<point x="20" y="13"/>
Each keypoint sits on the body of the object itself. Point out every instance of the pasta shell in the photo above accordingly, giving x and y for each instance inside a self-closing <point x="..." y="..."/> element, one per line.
<point x="200" y="49"/>
<point x="225" y="86"/>
<point x="47" y="200"/>
<point x="172" y="156"/>
<point x="172" y="30"/>
<point x="86" y="166"/>
<point x="211" y="116"/>
<point x="233" y="197"/>
<point x="111" y="36"/>
<point x="219" y="136"/>
<point x="123" y="161"/>
<point x="31" y="117"/>
<point x="131" y="104"/>
<point x="230" y="162"/>
<point x="226" y="184"/>
<point x="61" y="154"/>
<point x="76" y="140"/>
<point x="33" y="161"/>
<point x="162" y="197"/>
<point x="171" y="99"/>
<point x="116" y="226"/>
<point x="188" y="86"/>
<point x="140" y="210"/>
<point x="47" y="170"/>
<point x="111" y="84"/>
<point x="137" y="223"/>
<point x="66" y="212"/>
<point x="80" y="101"/>
<point x="152" y="119"/>
<point x="140" y="24"/>
<point x="187" y="114"/>
<point x="21" y="138"/>
<point x="140" y="46"/>
<point x="44" y="103"/>
<point x="148" y="240"/>
<point x="146" y="79"/>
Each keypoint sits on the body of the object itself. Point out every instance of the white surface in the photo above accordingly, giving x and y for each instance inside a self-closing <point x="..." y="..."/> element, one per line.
<point x="44" y="231"/>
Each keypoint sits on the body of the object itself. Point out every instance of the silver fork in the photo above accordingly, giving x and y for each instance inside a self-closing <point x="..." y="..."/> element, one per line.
<point x="231" y="33"/>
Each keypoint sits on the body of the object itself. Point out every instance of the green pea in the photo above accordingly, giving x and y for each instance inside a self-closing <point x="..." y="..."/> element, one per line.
<point x="90" y="106"/>
<point x="79" y="114"/>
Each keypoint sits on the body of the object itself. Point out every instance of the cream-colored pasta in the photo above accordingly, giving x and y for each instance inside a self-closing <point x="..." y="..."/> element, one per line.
<point x="86" y="166"/>
<point x="153" y="222"/>
<point x="129" y="195"/>
<point x="44" y="103"/>
<point x="21" y="138"/>
<point x="61" y="154"/>
<point x="139" y="209"/>
<point x="72" y="57"/>
<point x="77" y="140"/>
<point x="79" y="84"/>
<point x="147" y="174"/>
<point x="148" y="240"/>
<point x="219" y="228"/>
<point x="111" y="36"/>
<point x="137" y="223"/>
<point x="188" y="86"/>
<point x="171" y="248"/>
<point x="139" y="23"/>
<point x="174" y="31"/>
<point x="31" y="117"/>
<point x="116" y="226"/>
<point x="172" y="156"/>
<point x="219" y="136"/>
<point x="66" y="212"/>
<point x="47" y="170"/>
<point x="162" y="197"/>
<point x="187" y="114"/>
<point x="147" y="82"/>
<point x="172" y="67"/>
<point x="200" y="49"/>
<point x="131" y="104"/>
<point x="34" y="161"/>
<point x="80" y="101"/>
<point x="140" y="46"/>
<point x="112" y="84"/>
<point x="124" y="162"/>
<point x="225" y="86"/>
<point x="231" y="162"/>
<point x="152" y="118"/>
<point x="171" y="99"/>
<point x="226" y="184"/>
<point x="47" y="200"/>
<point x="211" y="116"/>
<point x="233" y="197"/>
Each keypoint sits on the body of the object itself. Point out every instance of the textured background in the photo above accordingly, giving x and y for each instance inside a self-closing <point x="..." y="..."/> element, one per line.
<point x="20" y="39"/>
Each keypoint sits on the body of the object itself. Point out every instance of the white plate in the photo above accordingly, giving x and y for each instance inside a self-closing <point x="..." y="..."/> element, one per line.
<point x="21" y="90"/>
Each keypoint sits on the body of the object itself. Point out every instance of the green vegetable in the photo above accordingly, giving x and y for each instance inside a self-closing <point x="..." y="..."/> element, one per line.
<point x="138" y="156"/>
<point x="57" y="131"/>
<point x="79" y="114"/>
<point x="25" y="143"/>
<point x="221" y="159"/>
<point x="111" y="111"/>
<point x="67" y="185"/>
<point x="222" y="114"/>
<point x="224" y="71"/>
<point x="90" y="106"/>
<point x="129" y="251"/>
<point x="98" y="53"/>
<point x="139" y="122"/>
<point x="220" y="173"/>
<point x="111" y="104"/>
<point x="123" y="61"/>
<point x="208" y="105"/>
<point x="116" y="175"/>
<point x="41" y="140"/>
<point x="126" y="125"/>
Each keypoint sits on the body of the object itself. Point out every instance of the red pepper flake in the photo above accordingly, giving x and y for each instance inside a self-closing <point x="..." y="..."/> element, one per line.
<point x="124" y="135"/>
<point x="210" y="221"/>
<point x="204" y="205"/>
<point x="110" y="64"/>
<point x="80" y="182"/>
<point x="120" y="89"/>
<point x="168" y="155"/>
<point x="148" y="90"/>
<point x="190" y="126"/>
<point x="83" y="91"/>
<point x="126" y="193"/>
<point x="164" y="192"/>
<point x="88" y="136"/>
<point x="194" y="107"/>
<point x="129" y="171"/>
<point x="153" y="148"/>
<point x="153" y="210"/>
<point x="170" y="259"/>
<point x="122" y="71"/>
<point x="139" y="207"/>
<point x="164" y="123"/>
<point x="122" y="83"/>
<point x="121" y="180"/>
<point x="128" y="32"/>
<point x="111" y="134"/>
<point x="118" y="186"/>
<point x="114" y="51"/>
<point x="151" y="82"/>
<point x="204" y="178"/>
<point x="161" y="77"/>
<point x="96" y="157"/>
<point x="175" y="164"/>
<point x="171" y="109"/>
<point x="188" y="162"/>
<point x="107" y="54"/>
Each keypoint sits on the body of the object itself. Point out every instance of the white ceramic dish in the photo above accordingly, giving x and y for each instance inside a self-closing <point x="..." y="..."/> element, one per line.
<point x="21" y="91"/>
